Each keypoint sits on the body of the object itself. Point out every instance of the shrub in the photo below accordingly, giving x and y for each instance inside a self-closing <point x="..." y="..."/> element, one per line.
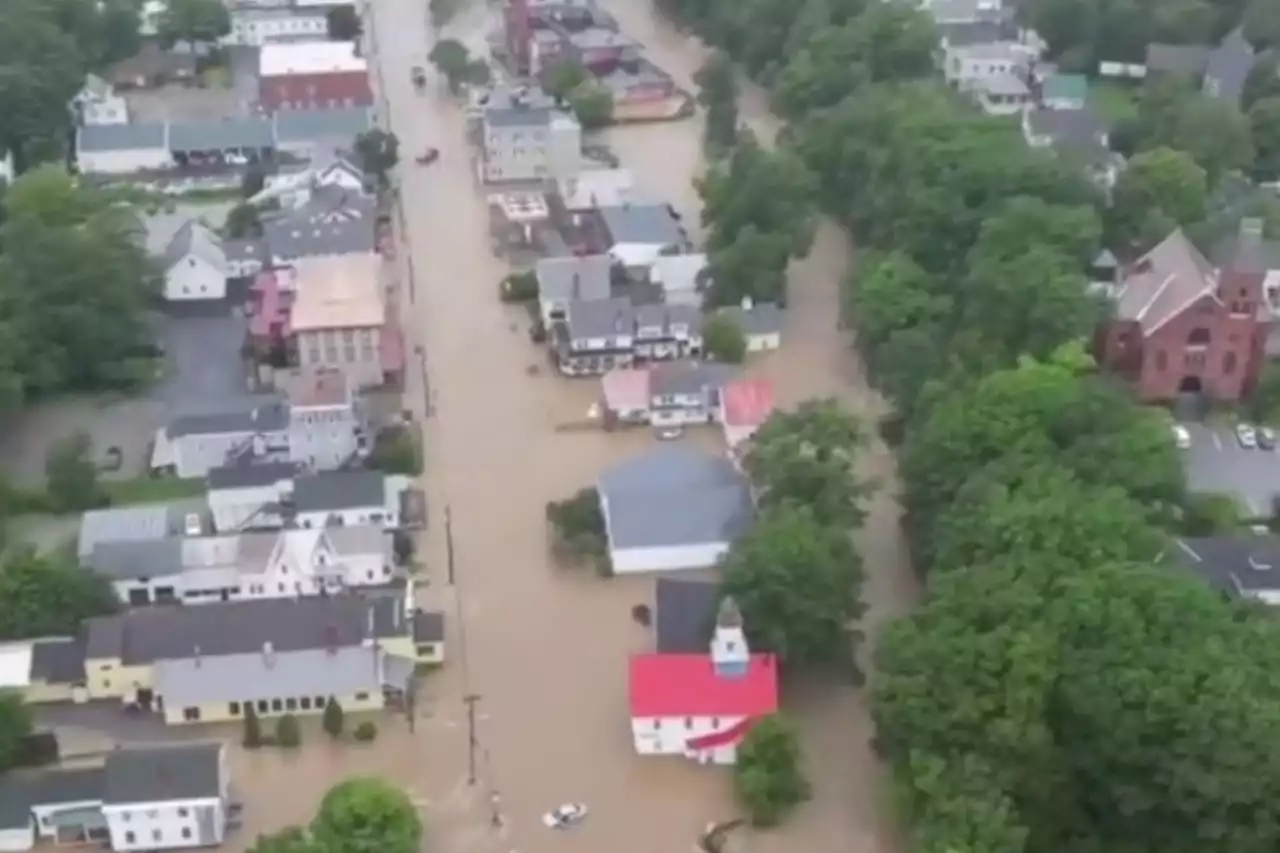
<point x="519" y="287"/>
<point x="397" y="450"/>
<point x="252" y="737"/>
<point x="365" y="732"/>
<point x="288" y="732"/>
<point x="334" y="719"/>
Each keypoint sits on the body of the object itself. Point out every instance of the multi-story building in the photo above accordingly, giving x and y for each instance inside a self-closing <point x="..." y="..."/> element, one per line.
<point x="193" y="445"/>
<point x="348" y="498"/>
<point x="255" y="27"/>
<point x="597" y="336"/>
<point x="139" y="798"/>
<point x="338" y="316"/>
<point x="312" y="75"/>
<point x="327" y="424"/>
<point x="98" y="103"/>
<point x="526" y="138"/>
<point x="967" y="68"/>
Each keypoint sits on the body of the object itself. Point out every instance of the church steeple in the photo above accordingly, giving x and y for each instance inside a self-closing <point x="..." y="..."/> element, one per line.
<point x="730" y="654"/>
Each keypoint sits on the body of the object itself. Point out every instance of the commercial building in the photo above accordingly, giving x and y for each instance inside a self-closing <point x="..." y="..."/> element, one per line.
<point x="312" y="75"/>
<point x="338" y="316"/>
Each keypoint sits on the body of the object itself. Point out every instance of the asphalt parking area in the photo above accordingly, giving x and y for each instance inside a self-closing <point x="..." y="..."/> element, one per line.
<point x="1216" y="463"/>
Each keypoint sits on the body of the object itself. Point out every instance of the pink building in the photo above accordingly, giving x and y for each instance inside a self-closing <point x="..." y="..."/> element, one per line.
<point x="744" y="407"/>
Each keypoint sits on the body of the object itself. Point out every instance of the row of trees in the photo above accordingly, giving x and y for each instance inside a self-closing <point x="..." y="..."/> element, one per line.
<point x="1061" y="687"/>
<point x="360" y="815"/>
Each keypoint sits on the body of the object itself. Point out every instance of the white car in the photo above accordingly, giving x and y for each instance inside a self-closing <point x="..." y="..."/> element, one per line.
<point x="565" y="816"/>
<point x="670" y="433"/>
<point x="1181" y="437"/>
<point x="1246" y="435"/>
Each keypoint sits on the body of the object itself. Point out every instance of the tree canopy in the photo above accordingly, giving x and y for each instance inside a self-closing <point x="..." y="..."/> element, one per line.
<point x="367" y="815"/>
<point x="769" y="776"/>
<point x="48" y="596"/>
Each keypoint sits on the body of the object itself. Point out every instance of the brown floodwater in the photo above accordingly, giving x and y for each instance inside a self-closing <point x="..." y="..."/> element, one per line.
<point x="544" y="646"/>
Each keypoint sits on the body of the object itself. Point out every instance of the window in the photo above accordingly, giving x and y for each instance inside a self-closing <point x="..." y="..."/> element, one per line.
<point x="277" y="705"/>
<point x="1199" y="337"/>
<point x="321" y="702"/>
<point x="688" y="722"/>
<point x="186" y="832"/>
<point x="263" y="706"/>
<point x="361" y="697"/>
<point x="1194" y="359"/>
<point x="183" y="812"/>
<point x="1229" y="363"/>
<point x="190" y="714"/>
<point x="155" y="835"/>
<point x="305" y="702"/>
<point x="234" y="708"/>
<point x="129" y="837"/>
<point x="369" y="574"/>
<point x="291" y="704"/>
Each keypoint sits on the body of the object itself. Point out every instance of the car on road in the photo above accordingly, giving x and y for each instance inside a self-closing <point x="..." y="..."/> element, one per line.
<point x="1266" y="438"/>
<point x="570" y="814"/>
<point x="670" y="433"/>
<point x="418" y="75"/>
<point x="1247" y="436"/>
<point x="426" y="158"/>
<point x="1181" y="437"/>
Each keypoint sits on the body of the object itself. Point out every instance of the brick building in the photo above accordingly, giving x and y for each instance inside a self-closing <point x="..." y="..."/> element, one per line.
<point x="1185" y="325"/>
<point x="312" y="75"/>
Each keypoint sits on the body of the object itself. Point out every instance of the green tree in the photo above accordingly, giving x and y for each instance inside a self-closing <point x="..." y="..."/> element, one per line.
<point x="753" y="266"/>
<point x="563" y="77"/>
<point x="452" y="59"/>
<point x="592" y="104"/>
<point x="71" y="474"/>
<point x="42" y="69"/>
<point x="15" y="727"/>
<point x="1158" y="191"/>
<point x="244" y="221"/>
<point x="1264" y="403"/>
<point x="288" y="732"/>
<point x="718" y="95"/>
<point x="769" y="775"/>
<point x="251" y="735"/>
<point x="723" y="338"/>
<point x="1262" y="24"/>
<point x="1264" y="123"/>
<point x="957" y="804"/>
<point x="334" y="718"/>
<point x="378" y="151"/>
<point x="196" y="21"/>
<point x="367" y="815"/>
<point x="772" y="191"/>
<point x="578" y="524"/>
<point x="798" y="583"/>
<point x="807" y="457"/>
<point x="289" y="840"/>
<point x="49" y="595"/>
<point x="343" y="23"/>
<point x="479" y="73"/>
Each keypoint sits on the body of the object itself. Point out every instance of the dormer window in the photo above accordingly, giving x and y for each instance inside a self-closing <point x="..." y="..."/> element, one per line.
<point x="1199" y="337"/>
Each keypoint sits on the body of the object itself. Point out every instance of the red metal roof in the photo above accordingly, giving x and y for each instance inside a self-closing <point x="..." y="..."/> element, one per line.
<point x="747" y="402"/>
<point x="687" y="686"/>
<point x="270" y="306"/>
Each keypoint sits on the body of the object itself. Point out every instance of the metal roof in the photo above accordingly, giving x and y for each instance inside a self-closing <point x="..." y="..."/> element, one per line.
<point x="122" y="137"/>
<point x="155" y="774"/>
<point x="256" y="675"/>
<point x="220" y="134"/>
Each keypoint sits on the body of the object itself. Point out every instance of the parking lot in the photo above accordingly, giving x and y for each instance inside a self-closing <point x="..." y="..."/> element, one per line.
<point x="184" y="103"/>
<point x="1216" y="463"/>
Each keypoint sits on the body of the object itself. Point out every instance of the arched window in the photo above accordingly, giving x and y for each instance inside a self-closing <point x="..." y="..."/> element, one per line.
<point x="1162" y="360"/>
<point x="1199" y="337"/>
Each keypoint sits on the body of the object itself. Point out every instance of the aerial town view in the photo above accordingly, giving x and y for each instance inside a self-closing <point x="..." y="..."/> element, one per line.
<point x="496" y="426"/>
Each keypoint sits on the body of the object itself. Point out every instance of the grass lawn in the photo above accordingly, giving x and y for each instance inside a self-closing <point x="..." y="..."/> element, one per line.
<point x="141" y="490"/>
<point x="1115" y="102"/>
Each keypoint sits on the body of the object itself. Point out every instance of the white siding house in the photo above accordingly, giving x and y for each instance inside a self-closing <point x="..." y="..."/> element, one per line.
<point x="97" y="103"/>
<point x="122" y="149"/>
<point x="194" y="264"/>
<point x="349" y="498"/>
<point x="193" y="445"/>
<point x="254" y="27"/>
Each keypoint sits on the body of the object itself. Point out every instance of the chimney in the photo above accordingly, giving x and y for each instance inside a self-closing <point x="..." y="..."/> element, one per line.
<point x="268" y="654"/>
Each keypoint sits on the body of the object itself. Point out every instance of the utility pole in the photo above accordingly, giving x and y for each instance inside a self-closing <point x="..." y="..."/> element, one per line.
<point x="471" y="699"/>
<point x="448" y="541"/>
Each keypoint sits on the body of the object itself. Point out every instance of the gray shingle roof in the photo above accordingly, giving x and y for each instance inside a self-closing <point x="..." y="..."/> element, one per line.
<point x="686" y="615"/>
<point x="159" y="773"/>
<point x="331" y="490"/>
<point x="1187" y="59"/>
<point x="254" y="416"/>
<point x="122" y="137"/>
<point x="650" y="224"/>
<point x="254" y="675"/>
<point x="600" y="318"/>
<point x="20" y="791"/>
<point x="248" y="476"/>
<point x="334" y="222"/>
<point x="238" y="627"/>
<point x="682" y="377"/>
<point x="341" y="125"/>
<point x="587" y="278"/>
<point x="224" y="133"/>
<point x="763" y="319"/>
<point x="147" y="558"/>
<point x="194" y="238"/>
<point x="133" y="523"/>
<point x="1228" y="67"/>
<point x="58" y="661"/>
<point x="674" y="496"/>
<point x="428" y="627"/>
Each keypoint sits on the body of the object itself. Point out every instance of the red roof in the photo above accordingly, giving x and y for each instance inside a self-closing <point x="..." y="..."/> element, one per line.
<point x="391" y="353"/>
<point x="747" y="402"/>
<point x="733" y="734"/>
<point x="270" y="307"/>
<point x="687" y="686"/>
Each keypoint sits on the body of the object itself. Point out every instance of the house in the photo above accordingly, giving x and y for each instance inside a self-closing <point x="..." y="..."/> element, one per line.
<point x="193" y="444"/>
<point x="636" y="80"/>
<point x="1227" y="67"/>
<point x="562" y="281"/>
<point x="338" y="317"/>
<point x="249" y="496"/>
<point x="1064" y="92"/>
<point x="745" y="406"/>
<point x="98" y="103"/>
<point x="683" y="393"/>
<point x="526" y="138"/>
<point x="296" y="189"/>
<point x="194" y="264"/>
<point x="122" y="149"/>
<point x="1080" y="135"/>
<point x="1241" y="565"/>
<point x="672" y="508"/>
<point x="597" y="336"/>
<point x="1182" y="325"/>
<point x="963" y="11"/>
<point x="625" y="396"/>
<point x="348" y="498"/>
<point x="139" y="798"/>
<point x="312" y="133"/>
<point x="1182" y="60"/>
<point x="152" y="66"/>
<point x="592" y="189"/>
<point x="328" y="427"/>
<point x="967" y="33"/>
<point x="683" y="278"/>
<point x="334" y="221"/>
<point x="1001" y="94"/>
<point x="312" y="75"/>
<point x="137" y="523"/>
<point x="279" y="655"/>
<point x="701" y="705"/>
<point x="254" y="564"/>
<point x="254" y="27"/>
<point x="761" y="324"/>
<point x="638" y="234"/>
<point x="966" y="67"/>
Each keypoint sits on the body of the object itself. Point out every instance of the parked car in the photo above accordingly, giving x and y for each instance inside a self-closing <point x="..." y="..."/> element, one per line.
<point x="1247" y="436"/>
<point x="1181" y="437"/>
<point x="670" y="433"/>
<point x="418" y="75"/>
<point x="565" y="816"/>
<point x="426" y="158"/>
<point x="1266" y="438"/>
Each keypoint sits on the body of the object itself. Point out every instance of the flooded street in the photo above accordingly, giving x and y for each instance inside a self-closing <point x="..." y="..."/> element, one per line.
<point x="544" y="647"/>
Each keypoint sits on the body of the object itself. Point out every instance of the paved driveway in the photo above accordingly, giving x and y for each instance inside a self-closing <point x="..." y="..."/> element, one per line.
<point x="1217" y="464"/>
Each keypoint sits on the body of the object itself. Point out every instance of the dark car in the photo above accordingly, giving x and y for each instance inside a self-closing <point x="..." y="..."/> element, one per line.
<point x="426" y="158"/>
<point x="1266" y="438"/>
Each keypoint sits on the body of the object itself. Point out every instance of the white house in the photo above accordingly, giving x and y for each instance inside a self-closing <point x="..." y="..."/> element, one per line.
<point x="296" y="189"/>
<point x="193" y="445"/>
<point x="98" y="103"/>
<point x="684" y="393"/>
<point x="563" y="281"/>
<point x="967" y="66"/>
<point x="194" y="264"/>
<point x="248" y="497"/>
<point x="761" y="324"/>
<point x="682" y="278"/>
<point x="641" y="233"/>
<point x="349" y="498"/>
<point x="672" y="508"/>
<point x="257" y="564"/>
<point x="254" y="27"/>
<point x="592" y="189"/>
<point x="327" y="426"/>
<point x="122" y="149"/>
<point x="701" y="706"/>
<point x="141" y="798"/>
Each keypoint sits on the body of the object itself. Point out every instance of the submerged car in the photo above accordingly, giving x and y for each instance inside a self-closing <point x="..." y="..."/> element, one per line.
<point x="426" y="158"/>
<point x="570" y="814"/>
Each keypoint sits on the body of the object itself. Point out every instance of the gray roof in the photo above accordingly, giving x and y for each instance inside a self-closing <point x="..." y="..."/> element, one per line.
<point x="1228" y="67"/>
<point x="509" y="116"/>
<point x="256" y="675"/>
<point x="763" y="319"/>
<point x="246" y="132"/>
<point x="122" y="137"/>
<point x="252" y="416"/>
<point x="642" y="223"/>
<point x="1081" y="129"/>
<point x="147" y="558"/>
<point x="685" y="617"/>
<point x="58" y="661"/>
<point x="587" y="278"/>
<point x="666" y="316"/>
<point x="253" y="249"/>
<point x="242" y="476"/>
<point x="1003" y="85"/>
<point x="159" y="773"/>
<point x="683" y="377"/>
<point x="342" y="125"/>
<point x="21" y="791"/>
<point x="1188" y="59"/>
<point x="674" y="495"/>
<point x="133" y="523"/>
<point x="428" y="626"/>
<point x="335" y="221"/>
<point x="965" y="33"/>
<point x="237" y="627"/>
<point x="198" y="239"/>
<point x="600" y="318"/>
<point x="330" y="490"/>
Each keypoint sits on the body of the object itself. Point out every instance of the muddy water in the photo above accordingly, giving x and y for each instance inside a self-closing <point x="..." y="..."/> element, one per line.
<point x="544" y="646"/>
